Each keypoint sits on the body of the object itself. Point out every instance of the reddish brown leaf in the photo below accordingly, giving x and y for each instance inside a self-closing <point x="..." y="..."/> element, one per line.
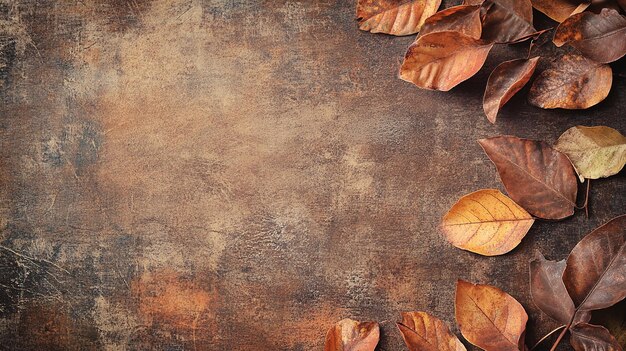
<point x="490" y="318"/>
<point x="396" y="17"/>
<point x="351" y="335"/>
<point x="601" y="37"/>
<point x="588" y="337"/>
<point x="549" y="292"/>
<point x="423" y="332"/>
<point x="537" y="177"/>
<point x="442" y="60"/>
<point x="504" y="82"/>
<point x="560" y="10"/>
<point x="614" y="319"/>
<point x="464" y="19"/>
<point x="573" y="82"/>
<point x="595" y="272"/>
<point x="506" y="21"/>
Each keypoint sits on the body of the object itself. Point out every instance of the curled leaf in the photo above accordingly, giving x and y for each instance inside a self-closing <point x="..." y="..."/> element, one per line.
<point x="464" y="19"/>
<point x="573" y="82"/>
<point x="351" y="335"/>
<point x="560" y="10"/>
<point x="442" y="60"/>
<point x="506" y="21"/>
<point x="595" y="274"/>
<point x="588" y="337"/>
<point x="599" y="36"/>
<point x="504" y="82"/>
<point x="396" y="17"/>
<point x="423" y="332"/>
<point x="536" y="176"/>
<point x="490" y="318"/>
<point x="486" y="222"/>
<point x="595" y="152"/>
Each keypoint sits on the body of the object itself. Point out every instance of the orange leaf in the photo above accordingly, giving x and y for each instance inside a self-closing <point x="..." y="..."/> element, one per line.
<point x="396" y="17"/>
<point x="423" y="332"/>
<point x="351" y="335"/>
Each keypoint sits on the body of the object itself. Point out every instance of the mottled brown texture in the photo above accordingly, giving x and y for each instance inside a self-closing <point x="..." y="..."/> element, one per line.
<point x="259" y="155"/>
<point x="396" y="17"/>
<point x="423" y="332"/>
<point x="464" y="19"/>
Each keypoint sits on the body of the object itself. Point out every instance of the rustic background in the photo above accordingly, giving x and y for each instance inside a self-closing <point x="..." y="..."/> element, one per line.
<point x="239" y="175"/>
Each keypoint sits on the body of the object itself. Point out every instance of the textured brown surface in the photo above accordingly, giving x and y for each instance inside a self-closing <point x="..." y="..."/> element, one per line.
<point x="241" y="175"/>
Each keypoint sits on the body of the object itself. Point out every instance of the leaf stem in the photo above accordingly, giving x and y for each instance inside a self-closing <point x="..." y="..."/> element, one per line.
<point x="558" y="340"/>
<point x="546" y="336"/>
<point x="587" y="199"/>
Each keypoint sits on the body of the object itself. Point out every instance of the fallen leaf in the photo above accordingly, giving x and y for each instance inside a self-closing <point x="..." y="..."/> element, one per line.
<point x="614" y="319"/>
<point x="486" y="222"/>
<point x="536" y="176"/>
<point x="490" y="318"/>
<point x="595" y="152"/>
<point x="463" y="19"/>
<point x="506" y="21"/>
<point x="560" y="10"/>
<point x="573" y="82"/>
<point x="600" y="37"/>
<point x="423" y="332"/>
<point x="396" y="17"/>
<point x="595" y="274"/>
<point x="351" y="335"/>
<point x="442" y="60"/>
<point x="506" y="80"/>
<point x="588" y="337"/>
<point x="548" y="290"/>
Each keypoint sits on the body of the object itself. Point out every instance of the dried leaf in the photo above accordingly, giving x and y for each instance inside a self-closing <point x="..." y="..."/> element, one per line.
<point x="595" y="152"/>
<point x="442" y="60"/>
<point x="601" y="37"/>
<point x="537" y="177"/>
<point x="614" y="319"/>
<point x="549" y="292"/>
<point x="560" y="10"/>
<point x="595" y="272"/>
<point x="506" y="21"/>
<point x="504" y="82"/>
<point x="490" y="318"/>
<point x="588" y="337"/>
<point x="423" y="332"/>
<point x="396" y="17"/>
<point x="486" y="222"/>
<point x="351" y="335"/>
<point x="573" y="82"/>
<point x="464" y="19"/>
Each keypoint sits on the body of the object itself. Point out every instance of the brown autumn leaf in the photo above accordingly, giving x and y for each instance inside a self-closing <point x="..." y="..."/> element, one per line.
<point x="490" y="318"/>
<point x="595" y="152"/>
<point x="442" y="60"/>
<point x="536" y="176"/>
<point x="423" y="332"/>
<point x="595" y="272"/>
<point x="351" y="335"/>
<point x="396" y="17"/>
<point x="486" y="222"/>
<point x="506" y="80"/>
<point x="614" y="319"/>
<point x="588" y="337"/>
<point x="600" y="37"/>
<point x="560" y="10"/>
<point x="548" y="290"/>
<point x="506" y="21"/>
<point x="573" y="82"/>
<point x="464" y="19"/>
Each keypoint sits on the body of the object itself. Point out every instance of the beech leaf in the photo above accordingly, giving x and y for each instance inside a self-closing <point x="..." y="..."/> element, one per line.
<point x="506" y="80"/>
<point x="506" y="21"/>
<point x="396" y="17"/>
<point x="423" y="332"/>
<point x="595" y="274"/>
<point x="490" y="318"/>
<point x="595" y="152"/>
<point x="351" y="335"/>
<point x="560" y="10"/>
<point x="548" y="290"/>
<point x="536" y="176"/>
<point x="599" y="36"/>
<point x="588" y="337"/>
<point x="442" y="60"/>
<point x="486" y="222"/>
<point x="464" y="19"/>
<point x="573" y="82"/>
